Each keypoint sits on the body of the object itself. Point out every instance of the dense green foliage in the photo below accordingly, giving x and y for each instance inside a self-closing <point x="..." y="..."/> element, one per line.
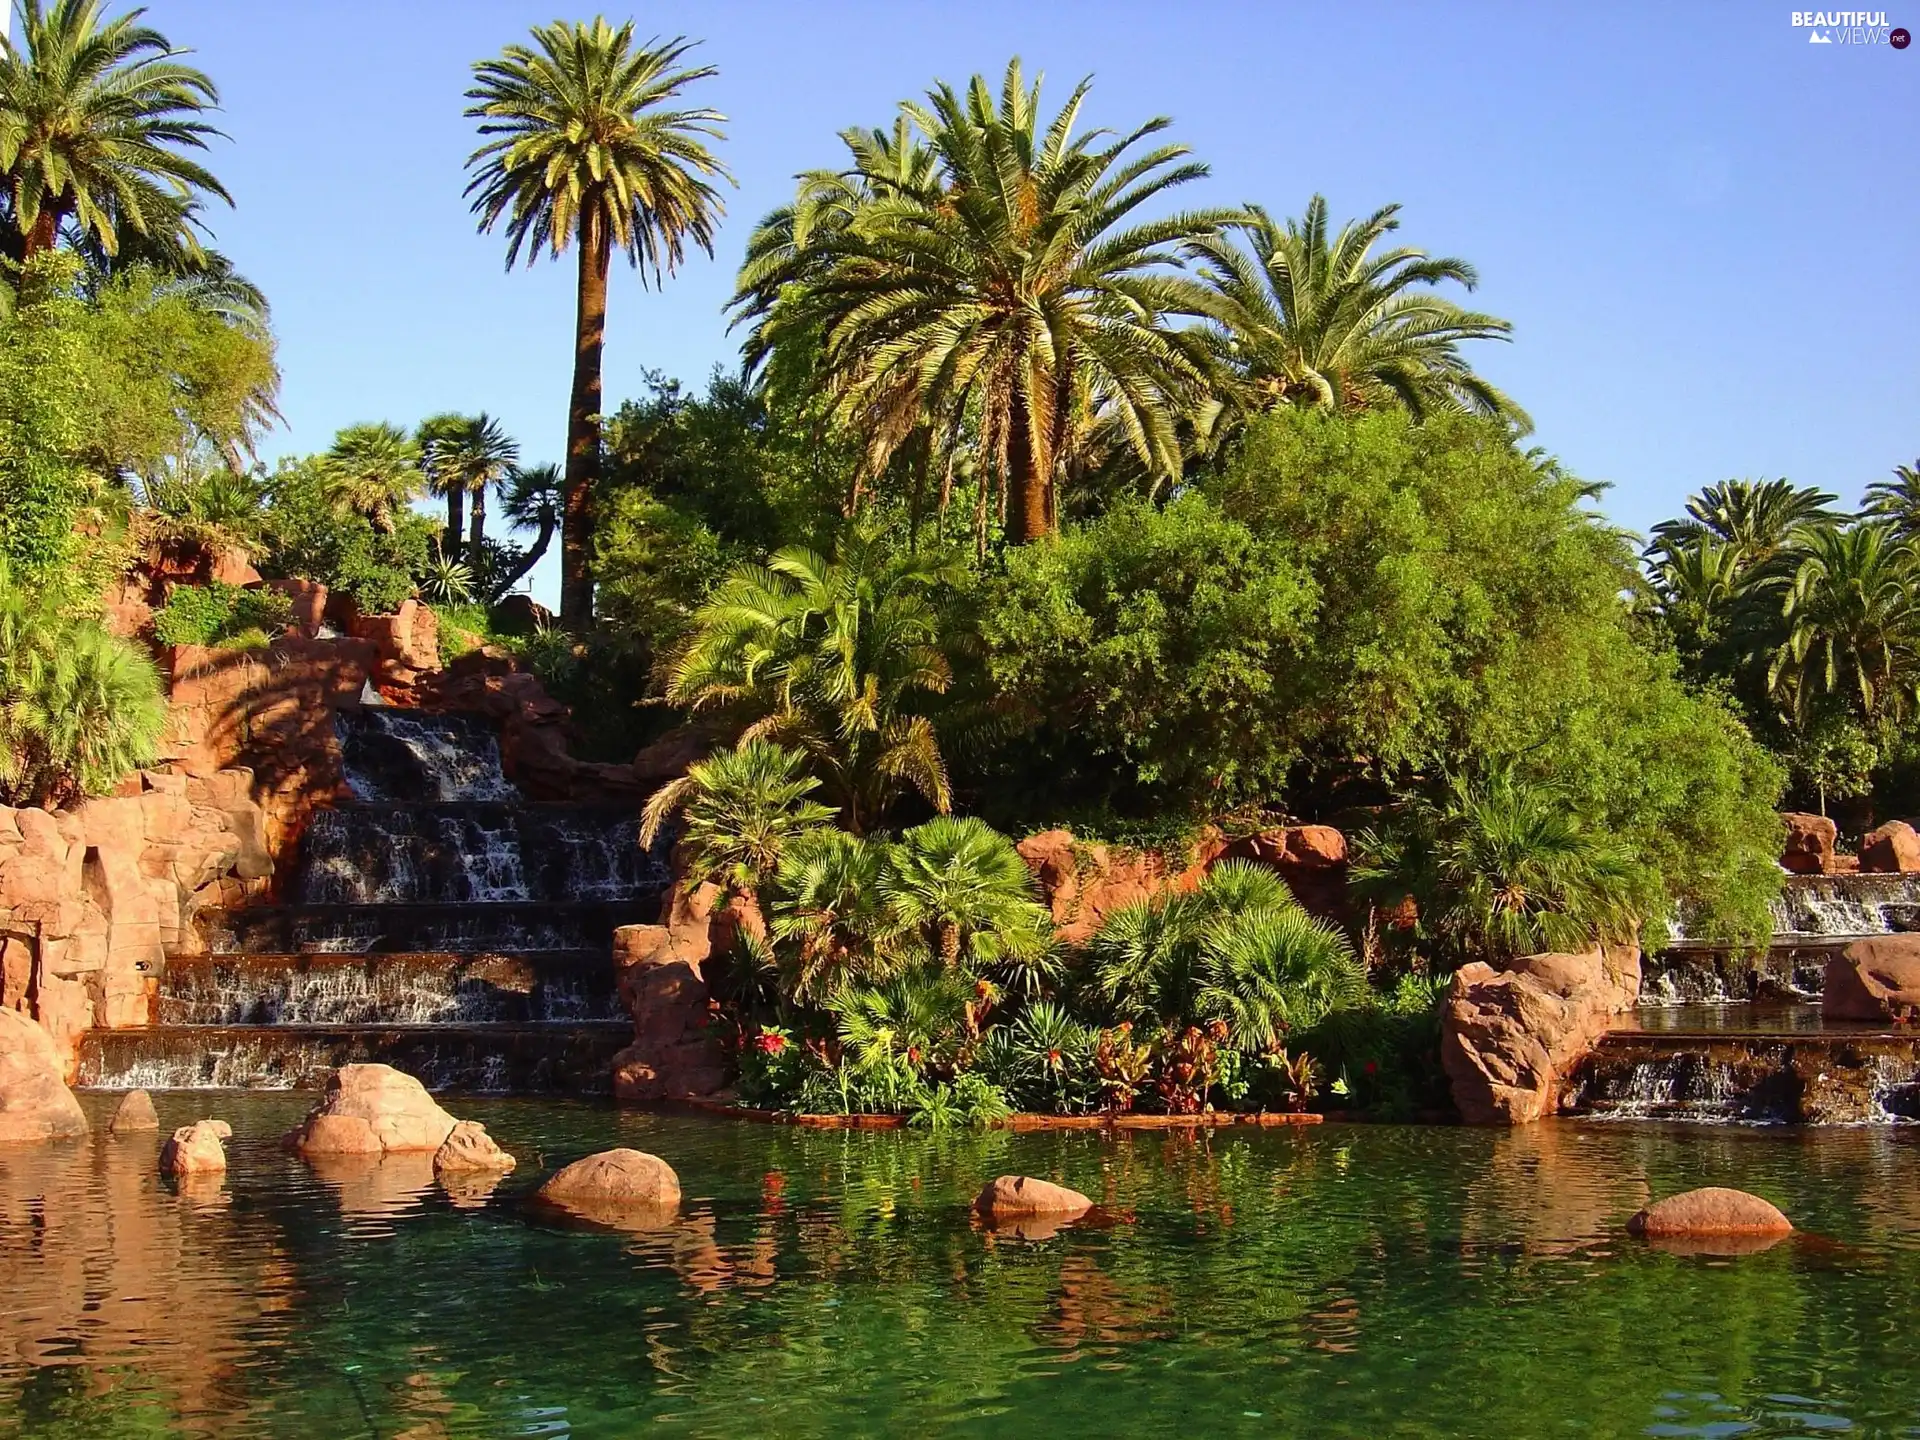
<point x="218" y="614"/>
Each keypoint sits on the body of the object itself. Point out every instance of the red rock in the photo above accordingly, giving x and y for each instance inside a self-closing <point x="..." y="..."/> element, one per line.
<point x="196" y="1149"/>
<point x="675" y="1054"/>
<point x="35" y="1103"/>
<point x="371" y="1110"/>
<point x="1893" y="849"/>
<point x="1875" y="980"/>
<point x="1013" y="1197"/>
<point x="134" y="1113"/>
<point x="1509" y="1038"/>
<point x="1710" y="1211"/>
<point x="468" y="1148"/>
<point x="231" y="565"/>
<point x="309" y="598"/>
<point x="614" y="1180"/>
<point x="1810" y="841"/>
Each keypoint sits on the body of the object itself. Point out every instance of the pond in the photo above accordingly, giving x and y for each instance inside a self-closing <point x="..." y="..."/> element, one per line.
<point x="1345" y="1280"/>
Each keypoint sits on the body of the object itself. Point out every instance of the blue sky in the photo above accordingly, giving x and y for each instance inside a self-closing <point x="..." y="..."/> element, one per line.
<point x="1704" y="229"/>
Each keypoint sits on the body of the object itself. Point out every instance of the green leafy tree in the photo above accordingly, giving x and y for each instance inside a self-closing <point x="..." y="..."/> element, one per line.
<point x="582" y="147"/>
<point x="1312" y="318"/>
<point x="308" y="535"/>
<point x="1005" y="289"/>
<point x="830" y="657"/>
<point x="1758" y="518"/>
<point x="739" y="811"/>
<point x="373" y="470"/>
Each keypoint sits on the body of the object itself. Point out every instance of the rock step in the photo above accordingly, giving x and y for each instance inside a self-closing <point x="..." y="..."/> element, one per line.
<point x="511" y="928"/>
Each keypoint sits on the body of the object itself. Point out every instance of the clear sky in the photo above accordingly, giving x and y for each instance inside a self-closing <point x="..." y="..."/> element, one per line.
<point x="1705" y="229"/>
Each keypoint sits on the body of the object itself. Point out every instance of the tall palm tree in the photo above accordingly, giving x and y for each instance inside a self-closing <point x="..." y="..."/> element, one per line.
<point x="373" y="470"/>
<point x="1007" y="291"/>
<point x="1852" y="612"/>
<point x="95" y="118"/>
<point x="530" y="500"/>
<point x="831" y="657"/>
<point x="582" y="148"/>
<point x="1759" y="517"/>
<point x="1316" y="319"/>
<point x="1898" y="501"/>
<point x="464" y="456"/>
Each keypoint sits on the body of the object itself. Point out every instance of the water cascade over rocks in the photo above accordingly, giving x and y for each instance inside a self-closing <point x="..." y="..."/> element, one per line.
<point x="437" y="922"/>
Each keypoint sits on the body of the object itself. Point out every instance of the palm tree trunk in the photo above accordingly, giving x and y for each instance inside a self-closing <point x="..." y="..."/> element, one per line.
<point x="479" y="530"/>
<point x="583" y="423"/>
<point x="1029" y="517"/>
<point x="44" y="232"/>
<point x="456" y="522"/>
<point x="527" y="561"/>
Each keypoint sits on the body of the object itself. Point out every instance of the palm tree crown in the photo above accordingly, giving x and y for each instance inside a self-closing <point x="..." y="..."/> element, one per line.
<point x="582" y="146"/>
<point x="1759" y="518"/>
<point x="373" y="470"/>
<point x="1312" y="318"/>
<point x="464" y="456"/>
<point x="94" y="117"/>
<point x="1898" y="500"/>
<point x="1852" y="623"/>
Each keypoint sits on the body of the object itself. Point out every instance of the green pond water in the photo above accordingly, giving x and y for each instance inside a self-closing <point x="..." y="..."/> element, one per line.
<point x="1347" y="1280"/>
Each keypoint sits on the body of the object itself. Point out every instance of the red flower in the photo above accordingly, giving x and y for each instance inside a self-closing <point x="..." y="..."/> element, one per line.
<point x="1372" y="1068"/>
<point x="913" y="1054"/>
<point x="770" y="1043"/>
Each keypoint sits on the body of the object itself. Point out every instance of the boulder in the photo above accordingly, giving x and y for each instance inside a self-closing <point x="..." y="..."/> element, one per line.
<point x="1893" y="849"/>
<point x="676" y="1054"/>
<point x="35" y="1103"/>
<point x="1081" y="883"/>
<point x="1810" y="841"/>
<point x="196" y="1149"/>
<point x="1509" y="1038"/>
<point x="134" y="1113"/>
<point x="309" y="598"/>
<point x="371" y="1110"/>
<point x="1709" y="1211"/>
<point x="1015" y="1197"/>
<point x="612" y="1181"/>
<point x="1876" y="981"/>
<point x="469" y="1149"/>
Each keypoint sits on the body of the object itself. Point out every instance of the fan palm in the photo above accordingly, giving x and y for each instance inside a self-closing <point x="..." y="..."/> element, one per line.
<point x="826" y="911"/>
<point x="373" y="470"/>
<point x="740" y="810"/>
<point x="95" y="117"/>
<point x="1316" y="319"/>
<point x="829" y="656"/>
<point x="1002" y="288"/>
<point x="583" y="148"/>
<point x="464" y="456"/>
<point x="960" y="889"/>
<point x="1897" y="501"/>
<point x="1853" y="624"/>
<point x="530" y="500"/>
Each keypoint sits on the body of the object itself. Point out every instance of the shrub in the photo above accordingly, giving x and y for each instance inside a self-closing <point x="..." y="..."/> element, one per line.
<point x="220" y="614"/>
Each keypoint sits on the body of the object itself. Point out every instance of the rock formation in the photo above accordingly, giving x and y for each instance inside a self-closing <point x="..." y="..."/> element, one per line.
<point x="675" y="1054"/>
<point x="1509" y="1038"/>
<point x="616" y="1184"/>
<point x="1875" y="980"/>
<point x="1015" y="1197"/>
<point x="1810" y="842"/>
<point x="1893" y="849"/>
<point x="371" y="1110"/>
<point x="35" y="1103"/>
<point x="469" y="1149"/>
<point x="196" y="1149"/>
<point x="1712" y="1210"/>
<point x="134" y="1114"/>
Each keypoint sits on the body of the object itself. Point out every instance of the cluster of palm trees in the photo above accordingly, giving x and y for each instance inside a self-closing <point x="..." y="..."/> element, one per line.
<point x="1812" y="614"/>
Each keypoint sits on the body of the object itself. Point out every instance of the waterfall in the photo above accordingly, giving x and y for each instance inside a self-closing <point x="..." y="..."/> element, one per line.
<point x="1847" y="906"/>
<point x="393" y="754"/>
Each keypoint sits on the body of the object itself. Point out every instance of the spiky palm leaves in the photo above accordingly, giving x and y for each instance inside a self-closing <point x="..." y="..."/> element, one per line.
<point x="1758" y="518"/>
<point x="963" y="895"/>
<point x="95" y="117"/>
<point x="739" y="810"/>
<point x="584" y="144"/>
<point x="373" y="470"/>
<point x="830" y="657"/>
<point x="1497" y="867"/>
<point x="826" y="915"/>
<point x="1005" y="289"/>
<point x="463" y="457"/>
<point x="1852" y="615"/>
<point x="530" y="500"/>
<point x="1316" y="319"/>
<point x="1897" y="501"/>
<point x="1239" y="950"/>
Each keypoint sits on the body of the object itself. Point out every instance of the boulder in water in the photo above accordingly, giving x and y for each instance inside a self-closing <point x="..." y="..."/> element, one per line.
<point x="1020" y="1197"/>
<point x="196" y="1149"/>
<point x="35" y="1103"/>
<point x="469" y="1149"/>
<point x="1876" y="980"/>
<point x="1893" y="849"/>
<point x="614" y="1180"/>
<point x="134" y="1113"/>
<point x="1711" y="1211"/>
<point x="1810" y="841"/>
<point x="371" y="1110"/>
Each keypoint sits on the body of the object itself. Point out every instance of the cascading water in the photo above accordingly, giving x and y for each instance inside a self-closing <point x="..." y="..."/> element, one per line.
<point x="439" y="923"/>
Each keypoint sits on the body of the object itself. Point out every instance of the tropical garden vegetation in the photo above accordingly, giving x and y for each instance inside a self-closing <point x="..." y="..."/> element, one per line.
<point x="1045" y="496"/>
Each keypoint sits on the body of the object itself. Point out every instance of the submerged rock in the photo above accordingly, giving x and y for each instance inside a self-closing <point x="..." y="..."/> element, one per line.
<point x="134" y="1113"/>
<point x="35" y="1103"/>
<point x="196" y="1149"/>
<point x="468" y="1149"/>
<point x="1875" y="980"/>
<point x="1017" y="1197"/>
<point x="614" y="1180"/>
<point x="1710" y="1211"/>
<point x="371" y="1110"/>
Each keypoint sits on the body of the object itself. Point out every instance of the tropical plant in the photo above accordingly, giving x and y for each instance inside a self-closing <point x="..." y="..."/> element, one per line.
<point x="1852" y="614"/>
<point x="581" y="148"/>
<point x="96" y="117"/>
<point x="218" y="614"/>
<point x="446" y="581"/>
<point x="894" y="1032"/>
<point x="825" y="914"/>
<point x="373" y="470"/>
<point x="463" y="457"/>
<point x="1000" y="289"/>
<point x="1897" y="501"/>
<point x="740" y="810"/>
<point x="530" y="500"/>
<point x="1496" y="867"/>
<point x="79" y="708"/>
<point x="1311" y="318"/>
<point x="963" y="896"/>
<point x="1758" y="518"/>
<point x="830" y="657"/>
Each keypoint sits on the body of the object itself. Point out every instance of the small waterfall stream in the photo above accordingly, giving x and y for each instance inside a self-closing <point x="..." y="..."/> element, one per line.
<point x="436" y="922"/>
